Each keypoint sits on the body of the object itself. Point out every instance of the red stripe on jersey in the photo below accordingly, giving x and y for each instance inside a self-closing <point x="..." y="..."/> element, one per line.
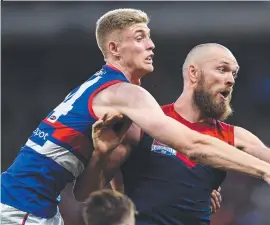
<point x="142" y="133"/>
<point x="112" y="67"/>
<point x="185" y="160"/>
<point x="90" y="101"/>
<point x="214" y="128"/>
<point x="74" y="138"/>
<point x="25" y="218"/>
<point x="155" y="142"/>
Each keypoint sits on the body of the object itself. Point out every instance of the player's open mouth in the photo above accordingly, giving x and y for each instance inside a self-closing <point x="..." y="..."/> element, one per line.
<point x="225" y="94"/>
<point x="149" y="59"/>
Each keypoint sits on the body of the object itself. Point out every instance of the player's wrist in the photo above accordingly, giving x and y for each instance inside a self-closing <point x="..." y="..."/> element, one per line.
<point x="100" y="157"/>
<point x="266" y="176"/>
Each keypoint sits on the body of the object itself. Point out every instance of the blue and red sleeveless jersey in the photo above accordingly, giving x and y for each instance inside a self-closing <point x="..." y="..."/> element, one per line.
<point x="168" y="188"/>
<point x="57" y="151"/>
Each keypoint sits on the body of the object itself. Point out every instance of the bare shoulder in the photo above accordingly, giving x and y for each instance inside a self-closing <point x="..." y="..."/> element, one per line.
<point x="105" y="100"/>
<point x="121" y="97"/>
<point x="243" y="137"/>
<point x="119" y="92"/>
<point x="125" y="96"/>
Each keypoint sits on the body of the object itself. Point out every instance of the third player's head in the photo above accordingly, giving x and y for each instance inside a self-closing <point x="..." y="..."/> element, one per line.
<point x="124" y="39"/>
<point x="209" y="75"/>
<point x="108" y="207"/>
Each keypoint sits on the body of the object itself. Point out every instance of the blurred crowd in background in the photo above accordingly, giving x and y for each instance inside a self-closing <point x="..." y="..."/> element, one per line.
<point x="48" y="48"/>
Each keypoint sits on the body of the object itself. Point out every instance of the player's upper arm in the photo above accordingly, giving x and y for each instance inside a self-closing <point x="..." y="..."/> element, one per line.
<point x="130" y="100"/>
<point x="125" y="97"/>
<point x="244" y="139"/>
<point x="140" y="106"/>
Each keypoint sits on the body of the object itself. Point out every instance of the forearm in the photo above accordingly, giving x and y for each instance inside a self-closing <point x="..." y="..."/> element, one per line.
<point x="208" y="150"/>
<point x="117" y="182"/>
<point x="262" y="153"/>
<point x="92" y="178"/>
<point x="218" y="154"/>
<point x="142" y="109"/>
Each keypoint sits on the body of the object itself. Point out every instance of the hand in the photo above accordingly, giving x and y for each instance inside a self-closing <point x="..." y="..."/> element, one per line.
<point x="109" y="131"/>
<point x="267" y="178"/>
<point x="215" y="200"/>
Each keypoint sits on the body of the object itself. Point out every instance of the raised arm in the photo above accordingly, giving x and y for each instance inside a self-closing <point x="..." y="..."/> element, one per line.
<point x="107" y="133"/>
<point x="251" y="144"/>
<point x="117" y="182"/>
<point x="140" y="106"/>
<point x="101" y="169"/>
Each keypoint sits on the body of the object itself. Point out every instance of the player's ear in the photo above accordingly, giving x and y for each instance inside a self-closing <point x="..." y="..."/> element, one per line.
<point x="193" y="73"/>
<point x="114" y="48"/>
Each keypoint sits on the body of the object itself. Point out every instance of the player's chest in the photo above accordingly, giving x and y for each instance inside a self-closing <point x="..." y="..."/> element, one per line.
<point x="166" y="151"/>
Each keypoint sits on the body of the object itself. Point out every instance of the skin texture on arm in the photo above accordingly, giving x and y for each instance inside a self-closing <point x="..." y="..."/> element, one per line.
<point x="140" y="106"/>
<point x="107" y="135"/>
<point x="251" y="144"/>
<point x="117" y="183"/>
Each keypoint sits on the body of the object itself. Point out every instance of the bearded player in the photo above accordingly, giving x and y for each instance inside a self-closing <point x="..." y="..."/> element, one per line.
<point x="166" y="186"/>
<point x="59" y="148"/>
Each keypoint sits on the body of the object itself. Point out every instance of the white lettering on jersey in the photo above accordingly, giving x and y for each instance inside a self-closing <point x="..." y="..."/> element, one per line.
<point x="40" y="133"/>
<point x="162" y="148"/>
<point x="64" y="107"/>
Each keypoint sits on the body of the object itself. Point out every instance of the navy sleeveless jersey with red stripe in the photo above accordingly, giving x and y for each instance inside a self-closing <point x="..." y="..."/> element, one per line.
<point x="57" y="150"/>
<point x="168" y="188"/>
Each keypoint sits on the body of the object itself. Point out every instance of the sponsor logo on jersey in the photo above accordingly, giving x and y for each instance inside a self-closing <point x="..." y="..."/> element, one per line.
<point x="53" y="117"/>
<point x="100" y="73"/>
<point x="161" y="148"/>
<point x="39" y="133"/>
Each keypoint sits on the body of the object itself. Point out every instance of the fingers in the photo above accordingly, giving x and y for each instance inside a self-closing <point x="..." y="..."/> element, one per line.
<point x="98" y="124"/>
<point x="267" y="179"/>
<point x="113" y="119"/>
<point x="216" y="200"/>
<point x="218" y="195"/>
<point x="106" y="120"/>
<point x="125" y="127"/>
<point x="118" y="122"/>
<point x="121" y="122"/>
<point x="104" y="117"/>
<point x="213" y="206"/>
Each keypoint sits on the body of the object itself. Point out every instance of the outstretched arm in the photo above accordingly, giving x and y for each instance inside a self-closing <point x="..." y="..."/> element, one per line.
<point x="251" y="144"/>
<point x="140" y="106"/>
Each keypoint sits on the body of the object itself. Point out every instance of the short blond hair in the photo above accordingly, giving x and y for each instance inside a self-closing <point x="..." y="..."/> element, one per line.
<point x="117" y="19"/>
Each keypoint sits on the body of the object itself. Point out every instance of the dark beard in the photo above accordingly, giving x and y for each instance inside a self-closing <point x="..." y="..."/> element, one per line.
<point x="204" y="100"/>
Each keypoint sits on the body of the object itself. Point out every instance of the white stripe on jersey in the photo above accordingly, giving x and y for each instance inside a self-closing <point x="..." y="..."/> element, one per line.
<point x="60" y="155"/>
<point x="13" y="216"/>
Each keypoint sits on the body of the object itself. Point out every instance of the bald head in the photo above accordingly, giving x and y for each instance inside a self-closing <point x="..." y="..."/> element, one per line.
<point x="209" y="73"/>
<point x="206" y="52"/>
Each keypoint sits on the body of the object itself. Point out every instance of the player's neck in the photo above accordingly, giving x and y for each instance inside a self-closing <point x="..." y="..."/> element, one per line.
<point x="185" y="107"/>
<point x="128" y="74"/>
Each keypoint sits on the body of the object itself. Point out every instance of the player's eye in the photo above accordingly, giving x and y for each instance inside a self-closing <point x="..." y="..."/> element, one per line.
<point x="221" y="69"/>
<point x="139" y="38"/>
<point x="235" y="75"/>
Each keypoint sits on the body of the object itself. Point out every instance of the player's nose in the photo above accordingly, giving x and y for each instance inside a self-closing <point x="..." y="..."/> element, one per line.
<point x="230" y="80"/>
<point x="150" y="44"/>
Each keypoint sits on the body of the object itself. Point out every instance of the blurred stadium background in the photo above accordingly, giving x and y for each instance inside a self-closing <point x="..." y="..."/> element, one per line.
<point x="48" y="48"/>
